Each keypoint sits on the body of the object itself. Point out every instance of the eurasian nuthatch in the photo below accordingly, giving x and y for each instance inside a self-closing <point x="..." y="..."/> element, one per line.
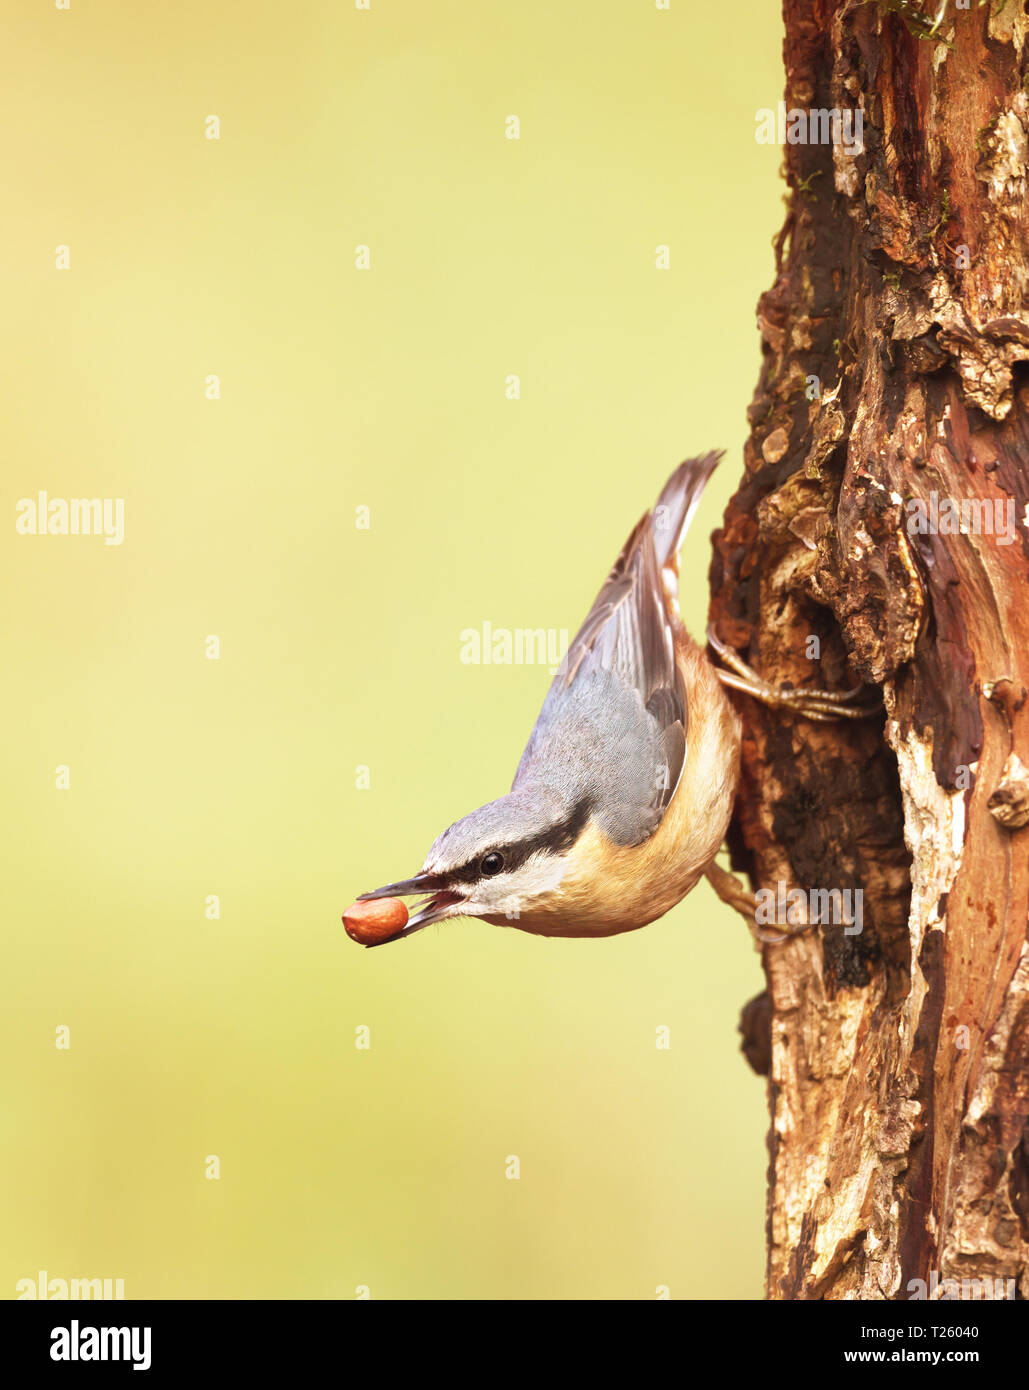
<point x="623" y="795"/>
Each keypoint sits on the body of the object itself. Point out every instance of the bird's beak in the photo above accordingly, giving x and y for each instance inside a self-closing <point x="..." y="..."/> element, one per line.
<point x="406" y="888"/>
<point x="434" y="908"/>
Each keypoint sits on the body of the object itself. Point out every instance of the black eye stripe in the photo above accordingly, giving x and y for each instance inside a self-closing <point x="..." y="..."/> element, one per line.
<point x="554" y="840"/>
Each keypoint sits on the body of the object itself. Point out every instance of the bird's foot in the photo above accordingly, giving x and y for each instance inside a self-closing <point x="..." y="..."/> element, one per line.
<point x="732" y="891"/>
<point x="737" y="895"/>
<point x="819" y="705"/>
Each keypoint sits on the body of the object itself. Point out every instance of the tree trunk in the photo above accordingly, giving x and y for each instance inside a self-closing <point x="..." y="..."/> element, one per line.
<point x="895" y="340"/>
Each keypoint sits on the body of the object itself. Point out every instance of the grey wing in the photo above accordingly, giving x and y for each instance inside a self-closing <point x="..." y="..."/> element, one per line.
<point x="612" y="730"/>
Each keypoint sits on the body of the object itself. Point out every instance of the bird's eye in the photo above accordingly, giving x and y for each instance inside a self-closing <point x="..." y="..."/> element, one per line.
<point x="492" y="863"/>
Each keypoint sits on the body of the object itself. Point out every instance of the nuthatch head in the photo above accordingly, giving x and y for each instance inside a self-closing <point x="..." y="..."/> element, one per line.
<point x="625" y="789"/>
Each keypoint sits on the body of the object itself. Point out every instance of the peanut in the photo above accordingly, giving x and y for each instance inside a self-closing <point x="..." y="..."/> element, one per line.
<point x="370" y="922"/>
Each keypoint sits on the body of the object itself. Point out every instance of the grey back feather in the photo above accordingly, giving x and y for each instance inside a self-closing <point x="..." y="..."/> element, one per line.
<point x="613" y="727"/>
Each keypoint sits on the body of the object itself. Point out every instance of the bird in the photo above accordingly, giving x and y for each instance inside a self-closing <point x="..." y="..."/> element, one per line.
<point x="624" y="792"/>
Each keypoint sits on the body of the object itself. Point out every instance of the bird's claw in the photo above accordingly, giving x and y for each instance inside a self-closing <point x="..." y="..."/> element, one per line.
<point x="822" y="706"/>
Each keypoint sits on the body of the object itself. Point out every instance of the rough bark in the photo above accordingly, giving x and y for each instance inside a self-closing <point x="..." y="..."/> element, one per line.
<point x="899" y="1055"/>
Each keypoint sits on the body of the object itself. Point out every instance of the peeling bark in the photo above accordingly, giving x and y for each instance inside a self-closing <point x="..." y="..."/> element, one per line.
<point x="895" y="339"/>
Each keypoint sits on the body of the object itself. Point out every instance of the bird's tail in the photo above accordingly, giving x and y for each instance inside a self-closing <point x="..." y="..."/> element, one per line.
<point x="673" y="511"/>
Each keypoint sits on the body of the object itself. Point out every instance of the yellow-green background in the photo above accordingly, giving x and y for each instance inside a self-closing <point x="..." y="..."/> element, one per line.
<point x="236" y="777"/>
